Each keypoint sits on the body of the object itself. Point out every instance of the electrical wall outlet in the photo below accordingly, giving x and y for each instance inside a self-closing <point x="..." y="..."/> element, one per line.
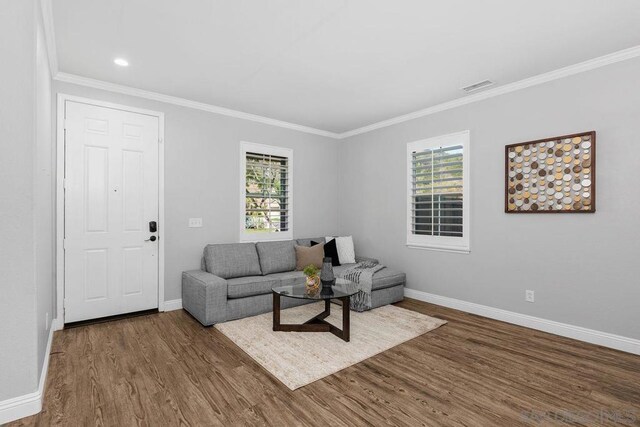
<point x="195" y="222"/>
<point x="529" y="296"/>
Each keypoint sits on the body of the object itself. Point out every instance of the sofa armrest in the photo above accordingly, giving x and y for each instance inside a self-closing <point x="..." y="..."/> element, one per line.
<point x="204" y="295"/>
<point x="365" y="259"/>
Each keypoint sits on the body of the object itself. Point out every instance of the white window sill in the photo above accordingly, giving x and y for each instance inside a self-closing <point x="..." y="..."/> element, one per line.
<point x="264" y="238"/>
<point x="439" y="248"/>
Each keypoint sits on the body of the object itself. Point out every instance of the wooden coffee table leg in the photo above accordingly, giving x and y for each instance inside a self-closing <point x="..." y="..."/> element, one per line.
<point x="316" y="324"/>
<point x="326" y="313"/>
<point x="346" y="324"/>
<point x="276" y="311"/>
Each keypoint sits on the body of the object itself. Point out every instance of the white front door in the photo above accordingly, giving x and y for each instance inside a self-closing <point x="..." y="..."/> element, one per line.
<point x="111" y="199"/>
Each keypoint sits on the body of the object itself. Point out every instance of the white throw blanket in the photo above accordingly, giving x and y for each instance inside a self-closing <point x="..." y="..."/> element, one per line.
<point x="362" y="274"/>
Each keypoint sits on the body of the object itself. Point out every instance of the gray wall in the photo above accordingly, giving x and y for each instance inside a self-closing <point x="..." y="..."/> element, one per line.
<point x="202" y="178"/>
<point x="584" y="268"/>
<point x="44" y="199"/>
<point x="18" y="352"/>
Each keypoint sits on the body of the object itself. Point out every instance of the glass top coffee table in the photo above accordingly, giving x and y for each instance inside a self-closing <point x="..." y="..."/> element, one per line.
<point x="342" y="290"/>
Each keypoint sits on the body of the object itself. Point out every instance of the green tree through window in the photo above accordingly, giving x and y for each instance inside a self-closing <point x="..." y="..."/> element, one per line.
<point x="266" y="193"/>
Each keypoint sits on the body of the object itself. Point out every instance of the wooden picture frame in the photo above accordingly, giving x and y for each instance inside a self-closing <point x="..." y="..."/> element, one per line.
<point x="551" y="175"/>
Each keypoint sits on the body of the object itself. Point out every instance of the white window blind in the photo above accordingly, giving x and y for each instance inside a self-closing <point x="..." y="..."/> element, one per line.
<point x="437" y="188"/>
<point x="267" y="193"/>
<point x="438" y="193"/>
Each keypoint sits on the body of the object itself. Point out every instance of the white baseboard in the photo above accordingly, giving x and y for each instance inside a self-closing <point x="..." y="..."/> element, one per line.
<point x="174" y="304"/>
<point x="58" y="323"/>
<point x="605" y="339"/>
<point x="27" y="404"/>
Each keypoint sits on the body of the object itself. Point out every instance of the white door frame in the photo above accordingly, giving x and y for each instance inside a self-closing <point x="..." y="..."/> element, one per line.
<point x="60" y="166"/>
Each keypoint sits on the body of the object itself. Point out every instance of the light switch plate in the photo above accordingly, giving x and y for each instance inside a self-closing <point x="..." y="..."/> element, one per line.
<point x="195" y="222"/>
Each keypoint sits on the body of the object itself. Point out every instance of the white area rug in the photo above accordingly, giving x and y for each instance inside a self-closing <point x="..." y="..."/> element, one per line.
<point x="300" y="358"/>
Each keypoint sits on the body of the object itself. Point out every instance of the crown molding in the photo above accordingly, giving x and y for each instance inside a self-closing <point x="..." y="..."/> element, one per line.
<point x="49" y="35"/>
<point x="570" y="70"/>
<point x="155" y="96"/>
<point x="612" y="58"/>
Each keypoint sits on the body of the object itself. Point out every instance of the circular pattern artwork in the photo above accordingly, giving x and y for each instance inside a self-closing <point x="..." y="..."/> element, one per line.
<point x="559" y="171"/>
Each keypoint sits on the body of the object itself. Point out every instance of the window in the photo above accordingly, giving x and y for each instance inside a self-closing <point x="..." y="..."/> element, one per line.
<point x="266" y="195"/>
<point x="438" y="193"/>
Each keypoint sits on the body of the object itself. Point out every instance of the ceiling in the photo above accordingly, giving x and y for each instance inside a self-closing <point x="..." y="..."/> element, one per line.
<point x="334" y="65"/>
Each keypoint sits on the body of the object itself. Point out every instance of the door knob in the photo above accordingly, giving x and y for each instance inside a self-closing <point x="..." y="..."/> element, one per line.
<point x="151" y="239"/>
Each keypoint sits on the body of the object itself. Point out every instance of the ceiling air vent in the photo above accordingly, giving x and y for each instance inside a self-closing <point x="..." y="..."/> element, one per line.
<point x="478" y="86"/>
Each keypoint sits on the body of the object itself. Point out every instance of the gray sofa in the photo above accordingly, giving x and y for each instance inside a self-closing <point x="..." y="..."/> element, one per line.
<point x="235" y="280"/>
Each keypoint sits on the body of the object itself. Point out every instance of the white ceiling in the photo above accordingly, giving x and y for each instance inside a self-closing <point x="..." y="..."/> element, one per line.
<point x="334" y="65"/>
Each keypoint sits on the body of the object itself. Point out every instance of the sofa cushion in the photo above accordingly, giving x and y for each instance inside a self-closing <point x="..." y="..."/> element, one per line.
<point x="288" y="278"/>
<point x="307" y="242"/>
<point x="385" y="278"/>
<point x="276" y="257"/>
<point x="232" y="260"/>
<point x="241" y="287"/>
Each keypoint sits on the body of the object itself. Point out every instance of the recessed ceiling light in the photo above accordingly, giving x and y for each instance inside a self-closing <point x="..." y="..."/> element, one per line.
<point x="121" y="62"/>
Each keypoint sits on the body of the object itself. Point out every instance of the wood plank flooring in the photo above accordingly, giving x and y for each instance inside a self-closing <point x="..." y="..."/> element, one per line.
<point x="166" y="369"/>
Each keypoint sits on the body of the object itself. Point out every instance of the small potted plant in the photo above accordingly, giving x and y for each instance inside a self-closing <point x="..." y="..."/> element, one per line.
<point x="313" y="278"/>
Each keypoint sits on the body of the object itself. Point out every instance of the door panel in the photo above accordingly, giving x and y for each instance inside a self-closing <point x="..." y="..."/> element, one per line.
<point x="111" y="195"/>
<point x="96" y="170"/>
<point x="132" y="271"/>
<point x="132" y="188"/>
<point x="96" y="276"/>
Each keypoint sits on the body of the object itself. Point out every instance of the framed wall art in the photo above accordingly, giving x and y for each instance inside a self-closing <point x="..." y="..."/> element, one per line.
<point x="553" y="175"/>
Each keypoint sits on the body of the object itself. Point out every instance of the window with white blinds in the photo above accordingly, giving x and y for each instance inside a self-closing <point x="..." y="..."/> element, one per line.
<point x="438" y="188"/>
<point x="266" y="184"/>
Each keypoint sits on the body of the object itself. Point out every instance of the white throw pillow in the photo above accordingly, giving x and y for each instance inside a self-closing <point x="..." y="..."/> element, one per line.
<point x="346" y="251"/>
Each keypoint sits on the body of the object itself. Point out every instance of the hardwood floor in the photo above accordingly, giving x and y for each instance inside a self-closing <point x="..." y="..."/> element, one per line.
<point x="166" y="369"/>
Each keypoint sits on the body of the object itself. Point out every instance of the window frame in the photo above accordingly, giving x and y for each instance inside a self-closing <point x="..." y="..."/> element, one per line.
<point x="251" y="147"/>
<point x="442" y="243"/>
